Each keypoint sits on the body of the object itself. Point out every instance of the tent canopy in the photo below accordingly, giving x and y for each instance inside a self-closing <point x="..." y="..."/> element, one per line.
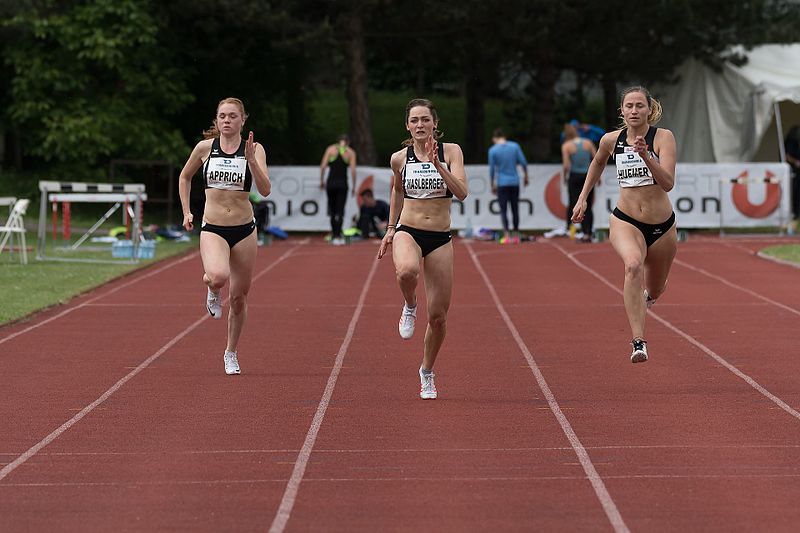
<point x="730" y="116"/>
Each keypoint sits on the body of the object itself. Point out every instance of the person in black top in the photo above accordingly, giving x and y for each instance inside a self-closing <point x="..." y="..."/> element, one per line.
<point x="642" y="226"/>
<point x="228" y="245"/>
<point x="792" y="146"/>
<point x="373" y="216"/>
<point x="337" y="158"/>
<point x="426" y="175"/>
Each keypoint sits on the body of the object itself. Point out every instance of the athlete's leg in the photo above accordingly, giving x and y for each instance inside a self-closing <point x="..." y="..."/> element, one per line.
<point x="243" y="261"/>
<point x="629" y="244"/>
<point x="438" y="268"/>
<point x="406" y="255"/>
<point x="215" y="254"/>
<point x="337" y="219"/>
<point x="502" y="200"/>
<point x="513" y="201"/>
<point x="659" y="261"/>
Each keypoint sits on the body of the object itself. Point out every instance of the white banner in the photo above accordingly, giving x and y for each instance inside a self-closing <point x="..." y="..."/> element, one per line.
<point x="705" y="195"/>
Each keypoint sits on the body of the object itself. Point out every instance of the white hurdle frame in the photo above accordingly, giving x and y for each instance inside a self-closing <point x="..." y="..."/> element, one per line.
<point x="96" y="193"/>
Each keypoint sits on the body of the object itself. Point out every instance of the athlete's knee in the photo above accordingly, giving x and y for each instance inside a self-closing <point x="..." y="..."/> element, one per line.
<point x="407" y="273"/>
<point x="217" y="279"/>
<point x="634" y="267"/>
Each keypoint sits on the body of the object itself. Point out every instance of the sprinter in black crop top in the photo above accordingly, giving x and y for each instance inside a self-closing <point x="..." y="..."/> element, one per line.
<point x="642" y="226"/>
<point x="426" y="176"/>
<point x="230" y="165"/>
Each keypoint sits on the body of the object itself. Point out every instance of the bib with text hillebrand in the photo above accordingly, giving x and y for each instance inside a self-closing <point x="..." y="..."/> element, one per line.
<point x="632" y="170"/>
<point x="227" y="173"/>
<point x="423" y="181"/>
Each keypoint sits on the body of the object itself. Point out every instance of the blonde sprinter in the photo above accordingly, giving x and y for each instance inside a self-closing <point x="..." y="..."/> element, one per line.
<point x="642" y="226"/>
<point x="230" y="165"/>
<point x="426" y="175"/>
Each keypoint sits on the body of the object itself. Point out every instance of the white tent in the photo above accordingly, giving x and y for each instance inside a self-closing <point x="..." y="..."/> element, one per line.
<point x="739" y="114"/>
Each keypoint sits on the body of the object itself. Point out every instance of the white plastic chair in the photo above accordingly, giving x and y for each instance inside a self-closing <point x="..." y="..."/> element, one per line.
<point x="15" y="225"/>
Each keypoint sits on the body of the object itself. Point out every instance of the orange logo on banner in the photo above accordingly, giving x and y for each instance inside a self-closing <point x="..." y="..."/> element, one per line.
<point x="771" y="201"/>
<point x="366" y="184"/>
<point x="552" y="197"/>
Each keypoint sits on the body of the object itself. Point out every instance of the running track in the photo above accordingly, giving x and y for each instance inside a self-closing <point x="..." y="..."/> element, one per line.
<point x="115" y="413"/>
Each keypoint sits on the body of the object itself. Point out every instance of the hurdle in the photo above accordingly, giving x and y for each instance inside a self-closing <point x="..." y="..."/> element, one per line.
<point x="66" y="193"/>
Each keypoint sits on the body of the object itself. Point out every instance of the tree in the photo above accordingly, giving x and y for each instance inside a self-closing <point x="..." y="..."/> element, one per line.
<point x="90" y="82"/>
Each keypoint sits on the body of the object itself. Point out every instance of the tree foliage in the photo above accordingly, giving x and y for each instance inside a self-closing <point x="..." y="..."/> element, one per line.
<point x="91" y="81"/>
<point x="84" y="81"/>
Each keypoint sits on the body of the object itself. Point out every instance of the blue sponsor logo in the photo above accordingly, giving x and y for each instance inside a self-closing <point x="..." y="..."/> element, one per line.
<point x="426" y="166"/>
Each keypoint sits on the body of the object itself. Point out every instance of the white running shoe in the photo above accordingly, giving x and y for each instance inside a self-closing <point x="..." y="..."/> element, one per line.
<point x="639" y="354"/>
<point x="555" y="232"/>
<point x="407" y="321"/>
<point x="647" y="300"/>
<point x="214" y="304"/>
<point x="427" y="389"/>
<point x="231" y="363"/>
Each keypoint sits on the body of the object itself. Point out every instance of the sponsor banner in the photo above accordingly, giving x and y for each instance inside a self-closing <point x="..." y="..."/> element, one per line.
<point x="705" y="195"/>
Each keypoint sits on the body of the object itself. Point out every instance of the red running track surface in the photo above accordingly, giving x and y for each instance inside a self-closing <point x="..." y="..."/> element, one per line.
<point x="117" y="415"/>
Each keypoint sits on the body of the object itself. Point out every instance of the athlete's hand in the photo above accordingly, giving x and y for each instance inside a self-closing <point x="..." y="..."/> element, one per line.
<point x="578" y="211"/>
<point x="385" y="242"/>
<point x="187" y="222"/>
<point x="250" y="149"/>
<point x="640" y="147"/>
<point x="432" y="149"/>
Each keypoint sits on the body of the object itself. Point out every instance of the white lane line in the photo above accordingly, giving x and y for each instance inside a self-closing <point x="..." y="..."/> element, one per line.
<point x="293" y="486"/>
<point x="92" y="300"/>
<point x="599" y="487"/>
<point x="737" y="287"/>
<point x="33" y="450"/>
<point x="133" y="484"/>
<point x="705" y="349"/>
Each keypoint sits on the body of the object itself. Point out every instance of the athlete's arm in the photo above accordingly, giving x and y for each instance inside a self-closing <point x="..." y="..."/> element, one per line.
<point x="663" y="169"/>
<point x="455" y="177"/>
<point x="257" y="160"/>
<point x="566" y="164"/>
<point x="523" y="163"/>
<point x="395" y="201"/>
<point x="195" y="161"/>
<point x="323" y="165"/>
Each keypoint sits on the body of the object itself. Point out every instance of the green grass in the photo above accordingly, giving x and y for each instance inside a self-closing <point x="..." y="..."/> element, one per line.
<point x="41" y="284"/>
<point x="784" y="252"/>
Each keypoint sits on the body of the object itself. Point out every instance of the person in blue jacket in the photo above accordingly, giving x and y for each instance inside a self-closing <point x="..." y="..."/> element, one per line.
<point x="504" y="157"/>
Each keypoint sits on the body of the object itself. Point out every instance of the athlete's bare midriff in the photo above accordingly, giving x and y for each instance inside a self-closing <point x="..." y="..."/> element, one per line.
<point x="430" y="214"/>
<point x="227" y="208"/>
<point x="649" y="204"/>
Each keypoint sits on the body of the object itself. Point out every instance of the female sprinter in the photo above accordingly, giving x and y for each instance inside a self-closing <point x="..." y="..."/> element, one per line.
<point x="227" y="235"/>
<point x="425" y="177"/>
<point x="642" y="226"/>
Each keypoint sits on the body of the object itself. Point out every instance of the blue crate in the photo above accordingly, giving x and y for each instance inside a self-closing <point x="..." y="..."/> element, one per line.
<point x="124" y="249"/>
